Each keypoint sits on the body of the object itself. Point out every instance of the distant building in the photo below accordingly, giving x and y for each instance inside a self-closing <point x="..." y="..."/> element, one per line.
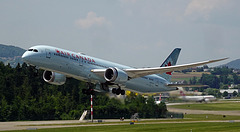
<point x="232" y="86"/>
<point x="194" y="69"/>
<point x="206" y="70"/>
<point x="229" y="91"/>
<point x="237" y="71"/>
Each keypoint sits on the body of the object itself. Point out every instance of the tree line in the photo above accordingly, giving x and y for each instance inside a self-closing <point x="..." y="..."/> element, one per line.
<point x="25" y="96"/>
<point x="220" y="78"/>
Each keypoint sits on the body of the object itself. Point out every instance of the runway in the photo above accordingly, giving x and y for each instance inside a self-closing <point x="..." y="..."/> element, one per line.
<point x="31" y="125"/>
<point x="34" y="125"/>
<point x="27" y="125"/>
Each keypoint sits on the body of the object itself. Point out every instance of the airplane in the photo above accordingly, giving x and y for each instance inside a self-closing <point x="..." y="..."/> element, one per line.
<point x="104" y="76"/>
<point x="205" y="98"/>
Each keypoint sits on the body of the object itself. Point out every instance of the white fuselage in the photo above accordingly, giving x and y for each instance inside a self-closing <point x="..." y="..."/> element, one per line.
<point x="79" y="66"/>
<point x="205" y="98"/>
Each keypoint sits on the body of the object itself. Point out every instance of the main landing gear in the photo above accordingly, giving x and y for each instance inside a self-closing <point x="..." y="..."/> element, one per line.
<point x="90" y="90"/>
<point x="118" y="91"/>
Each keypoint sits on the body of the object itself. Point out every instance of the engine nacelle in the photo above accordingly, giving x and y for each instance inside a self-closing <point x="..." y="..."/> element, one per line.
<point x="206" y="100"/>
<point x="54" y="78"/>
<point x="115" y="75"/>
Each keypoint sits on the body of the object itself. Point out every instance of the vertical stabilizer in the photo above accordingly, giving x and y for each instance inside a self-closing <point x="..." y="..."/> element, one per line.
<point x="182" y="94"/>
<point x="170" y="61"/>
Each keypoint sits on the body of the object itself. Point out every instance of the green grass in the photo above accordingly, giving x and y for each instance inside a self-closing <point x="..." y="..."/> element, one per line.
<point x="210" y="106"/>
<point x="232" y="99"/>
<point x="208" y="117"/>
<point x="169" y="127"/>
<point x="187" y="117"/>
<point x="180" y="79"/>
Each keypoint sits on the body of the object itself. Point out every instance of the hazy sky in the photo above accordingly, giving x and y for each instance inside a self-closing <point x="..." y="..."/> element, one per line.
<point x="138" y="33"/>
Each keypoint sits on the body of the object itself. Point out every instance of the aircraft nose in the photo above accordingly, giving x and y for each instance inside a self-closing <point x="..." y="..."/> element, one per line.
<point x="25" y="56"/>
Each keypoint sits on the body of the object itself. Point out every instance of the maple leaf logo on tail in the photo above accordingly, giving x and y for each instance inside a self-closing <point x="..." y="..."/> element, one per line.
<point x="169" y="64"/>
<point x="170" y="61"/>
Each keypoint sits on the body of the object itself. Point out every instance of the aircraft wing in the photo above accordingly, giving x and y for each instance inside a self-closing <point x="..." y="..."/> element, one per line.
<point x="186" y="85"/>
<point x="140" y="72"/>
<point x="134" y="73"/>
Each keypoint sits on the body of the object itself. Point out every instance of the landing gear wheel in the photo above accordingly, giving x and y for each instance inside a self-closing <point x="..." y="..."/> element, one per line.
<point x="114" y="90"/>
<point x="118" y="91"/>
<point x="122" y="92"/>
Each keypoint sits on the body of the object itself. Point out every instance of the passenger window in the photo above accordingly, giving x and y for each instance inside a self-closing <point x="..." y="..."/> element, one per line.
<point x="30" y="49"/>
<point x="35" y="50"/>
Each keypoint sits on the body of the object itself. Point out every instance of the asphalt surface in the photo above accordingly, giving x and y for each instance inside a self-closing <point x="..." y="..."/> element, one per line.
<point x="29" y="125"/>
<point x="32" y="125"/>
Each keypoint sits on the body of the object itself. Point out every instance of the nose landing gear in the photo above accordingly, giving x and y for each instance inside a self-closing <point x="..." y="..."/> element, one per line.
<point x="90" y="90"/>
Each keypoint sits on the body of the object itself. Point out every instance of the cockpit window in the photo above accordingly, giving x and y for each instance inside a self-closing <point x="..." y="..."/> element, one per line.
<point x="34" y="50"/>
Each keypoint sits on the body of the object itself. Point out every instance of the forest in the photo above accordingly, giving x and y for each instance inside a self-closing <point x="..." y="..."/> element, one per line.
<point x="25" y="96"/>
<point x="218" y="78"/>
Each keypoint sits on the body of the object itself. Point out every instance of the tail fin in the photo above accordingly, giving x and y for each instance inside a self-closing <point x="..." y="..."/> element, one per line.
<point x="170" y="61"/>
<point x="182" y="93"/>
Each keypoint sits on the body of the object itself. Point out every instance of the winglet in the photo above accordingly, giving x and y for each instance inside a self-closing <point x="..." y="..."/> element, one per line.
<point x="219" y="60"/>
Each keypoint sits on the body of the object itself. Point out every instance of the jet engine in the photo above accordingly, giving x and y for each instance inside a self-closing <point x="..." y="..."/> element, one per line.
<point x="54" y="78"/>
<point x="206" y="100"/>
<point x="115" y="75"/>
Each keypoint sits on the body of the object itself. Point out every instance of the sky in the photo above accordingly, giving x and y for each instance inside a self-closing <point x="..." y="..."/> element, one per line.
<point x="138" y="33"/>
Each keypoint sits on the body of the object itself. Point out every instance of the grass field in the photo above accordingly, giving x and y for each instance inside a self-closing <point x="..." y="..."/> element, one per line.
<point x="223" y="106"/>
<point x="187" y="118"/>
<point x="169" y="127"/>
<point x="208" y="117"/>
<point x="203" y="123"/>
